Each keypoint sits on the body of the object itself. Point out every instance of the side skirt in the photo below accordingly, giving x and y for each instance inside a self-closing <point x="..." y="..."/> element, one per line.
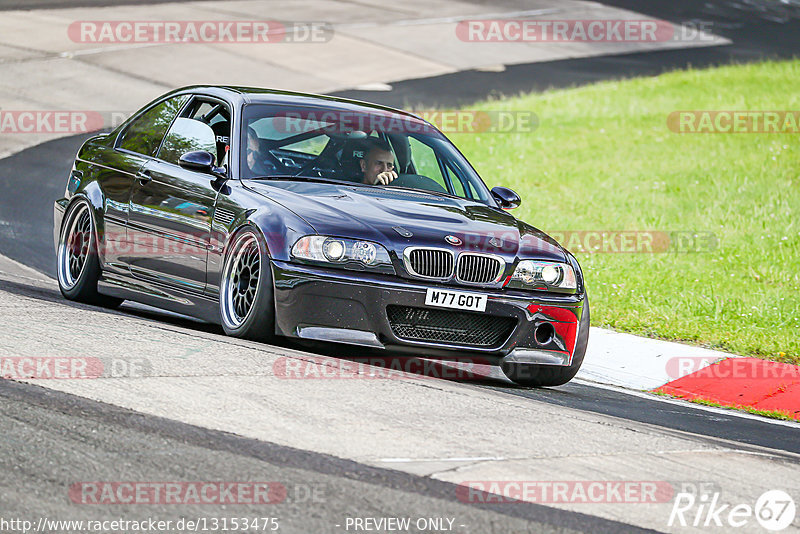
<point x="159" y="296"/>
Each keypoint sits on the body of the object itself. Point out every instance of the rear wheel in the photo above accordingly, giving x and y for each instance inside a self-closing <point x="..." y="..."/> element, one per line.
<point x="78" y="267"/>
<point x="246" y="300"/>
<point x="533" y="375"/>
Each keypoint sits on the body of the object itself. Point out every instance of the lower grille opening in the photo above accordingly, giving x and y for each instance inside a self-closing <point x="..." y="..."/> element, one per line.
<point x="453" y="327"/>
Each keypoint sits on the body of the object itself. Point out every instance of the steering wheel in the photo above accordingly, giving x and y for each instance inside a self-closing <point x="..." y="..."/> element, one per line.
<point x="274" y="159"/>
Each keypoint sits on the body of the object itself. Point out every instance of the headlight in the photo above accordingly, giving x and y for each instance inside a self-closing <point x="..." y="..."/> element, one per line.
<point x="347" y="253"/>
<point x="531" y="274"/>
<point x="333" y="249"/>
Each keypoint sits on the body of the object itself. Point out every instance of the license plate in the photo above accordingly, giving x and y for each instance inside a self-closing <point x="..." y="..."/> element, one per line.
<point x="455" y="299"/>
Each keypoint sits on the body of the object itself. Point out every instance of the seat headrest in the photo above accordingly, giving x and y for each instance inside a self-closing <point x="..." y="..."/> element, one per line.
<point x="350" y="157"/>
<point x="222" y="133"/>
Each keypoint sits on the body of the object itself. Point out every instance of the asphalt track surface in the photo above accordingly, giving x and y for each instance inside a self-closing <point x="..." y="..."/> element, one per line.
<point x="53" y="440"/>
<point x="32" y="179"/>
<point x="759" y="29"/>
<point x="672" y="416"/>
<point x="40" y="425"/>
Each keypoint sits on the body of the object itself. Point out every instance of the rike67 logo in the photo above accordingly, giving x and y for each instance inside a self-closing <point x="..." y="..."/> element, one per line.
<point x="774" y="510"/>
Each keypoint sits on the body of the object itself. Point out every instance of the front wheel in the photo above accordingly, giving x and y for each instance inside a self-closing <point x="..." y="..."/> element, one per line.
<point x="533" y="375"/>
<point x="247" y="307"/>
<point x="78" y="267"/>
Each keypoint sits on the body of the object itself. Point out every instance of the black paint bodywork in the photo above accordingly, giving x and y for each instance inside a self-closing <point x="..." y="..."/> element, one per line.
<point x="181" y="269"/>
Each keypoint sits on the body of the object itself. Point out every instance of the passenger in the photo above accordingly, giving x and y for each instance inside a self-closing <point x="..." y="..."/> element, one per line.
<point x="378" y="162"/>
<point x="255" y="160"/>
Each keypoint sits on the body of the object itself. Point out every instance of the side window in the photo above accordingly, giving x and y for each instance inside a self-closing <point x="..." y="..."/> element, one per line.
<point x="201" y="109"/>
<point x="187" y="135"/>
<point x="218" y="117"/>
<point x="144" y="135"/>
<point x="425" y="161"/>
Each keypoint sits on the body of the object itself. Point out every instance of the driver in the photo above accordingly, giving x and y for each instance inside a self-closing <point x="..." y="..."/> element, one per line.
<point x="378" y="162"/>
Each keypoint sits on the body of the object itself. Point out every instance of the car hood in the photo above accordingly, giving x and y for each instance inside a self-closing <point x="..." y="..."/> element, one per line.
<point x="387" y="215"/>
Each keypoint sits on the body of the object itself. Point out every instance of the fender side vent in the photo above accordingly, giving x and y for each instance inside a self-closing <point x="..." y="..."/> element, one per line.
<point x="223" y="216"/>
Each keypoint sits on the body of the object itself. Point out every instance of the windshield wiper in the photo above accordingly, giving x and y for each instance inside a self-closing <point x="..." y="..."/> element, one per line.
<point x="417" y="190"/>
<point x="290" y="177"/>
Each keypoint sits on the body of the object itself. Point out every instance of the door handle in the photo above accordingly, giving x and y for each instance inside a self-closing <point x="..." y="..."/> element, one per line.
<point x="144" y="176"/>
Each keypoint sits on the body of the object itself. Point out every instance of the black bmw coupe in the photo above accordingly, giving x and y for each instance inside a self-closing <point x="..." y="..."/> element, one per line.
<point x="286" y="214"/>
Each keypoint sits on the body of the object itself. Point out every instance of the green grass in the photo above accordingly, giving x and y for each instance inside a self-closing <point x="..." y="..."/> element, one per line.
<point x="603" y="158"/>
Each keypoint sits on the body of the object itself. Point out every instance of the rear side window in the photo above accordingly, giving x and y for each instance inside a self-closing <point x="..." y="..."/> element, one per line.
<point x="218" y="117"/>
<point x="144" y="134"/>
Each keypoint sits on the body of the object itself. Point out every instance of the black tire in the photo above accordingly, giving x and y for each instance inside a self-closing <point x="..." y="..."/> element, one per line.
<point x="246" y="302"/>
<point x="78" y="267"/>
<point x="532" y="375"/>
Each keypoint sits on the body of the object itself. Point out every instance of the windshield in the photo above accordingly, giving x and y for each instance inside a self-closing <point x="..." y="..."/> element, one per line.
<point x="370" y="148"/>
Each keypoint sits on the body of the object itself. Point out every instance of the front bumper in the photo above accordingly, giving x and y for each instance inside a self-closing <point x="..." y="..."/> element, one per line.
<point x="343" y="306"/>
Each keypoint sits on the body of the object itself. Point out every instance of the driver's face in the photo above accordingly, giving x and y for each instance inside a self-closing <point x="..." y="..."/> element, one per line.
<point x="376" y="162"/>
<point x="252" y="151"/>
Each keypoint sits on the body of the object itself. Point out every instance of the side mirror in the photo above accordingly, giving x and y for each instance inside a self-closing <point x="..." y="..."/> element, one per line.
<point x="507" y="198"/>
<point x="201" y="161"/>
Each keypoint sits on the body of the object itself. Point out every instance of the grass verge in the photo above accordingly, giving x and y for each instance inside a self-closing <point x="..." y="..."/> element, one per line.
<point x="603" y="159"/>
